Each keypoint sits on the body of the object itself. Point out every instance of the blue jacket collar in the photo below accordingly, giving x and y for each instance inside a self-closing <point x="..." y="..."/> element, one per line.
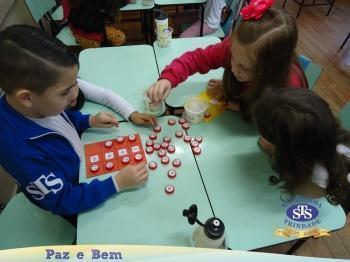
<point x="27" y="128"/>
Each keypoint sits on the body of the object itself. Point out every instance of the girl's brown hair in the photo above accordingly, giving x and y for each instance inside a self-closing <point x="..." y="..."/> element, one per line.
<point x="305" y="132"/>
<point x="273" y="39"/>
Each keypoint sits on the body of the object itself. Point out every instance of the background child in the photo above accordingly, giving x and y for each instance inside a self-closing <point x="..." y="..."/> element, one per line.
<point x="89" y="20"/>
<point x="308" y="148"/>
<point x="260" y="52"/>
<point x="40" y="143"/>
<point x="212" y="19"/>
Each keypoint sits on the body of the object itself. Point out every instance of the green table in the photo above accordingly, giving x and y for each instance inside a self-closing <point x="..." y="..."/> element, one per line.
<point x="235" y="172"/>
<point x="194" y="84"/>
<point x="127" y="70"/>
<point x="137" y="6"/>
<point x="146" y="216"/>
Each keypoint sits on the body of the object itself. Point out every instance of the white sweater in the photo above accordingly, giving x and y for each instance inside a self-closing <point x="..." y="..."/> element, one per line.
<point x="106" y="97"/>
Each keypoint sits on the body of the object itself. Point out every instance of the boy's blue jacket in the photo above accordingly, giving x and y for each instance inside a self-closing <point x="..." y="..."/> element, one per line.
<point x="45" y="164"/>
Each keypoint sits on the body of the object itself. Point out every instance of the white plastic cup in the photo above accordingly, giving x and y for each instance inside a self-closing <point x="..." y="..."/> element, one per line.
<point x="195" y="109"/>
<point x="161" y="22"/>
<point x="151" y="108"/>
<point x="164" y="39"/>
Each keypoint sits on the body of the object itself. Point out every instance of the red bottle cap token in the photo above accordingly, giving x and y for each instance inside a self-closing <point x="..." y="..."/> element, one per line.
<point x="167" y="139"/>
<point x="108" y="143"/>
<point x="94" y="168"/>
<point x="156" y="146"/>
<point x="182" y="121"/>
<point x="194" y="144"/>
<point x="109" y="165"/>
<point x="149" y="143"/>
<point x="179" y="134"/>
<point x="176" y="162"/>
<point x="199" y="139"/>
<point x="169" y="189"/>
<point x="138" y="157"/>
<point x="132" y="138"/>
<point x="196" y="150"/>
<point x="164" y="145"/>
<point x="185" y="126"/>
<point x="153" y="135"/>
<point x="187" y="139"/>
<point x="120" y="139"/>
<point x="165" y="160"/>
<point x="157" y="128"/>
<point x="161" y="153"/>
<point x="171" y="149"/>
<point x="152" y="165"/>
<point x="171" y="173"/>
<point x="171" y="121"/>
<point x="149" y="150"/>
<point x="125" y="160"/>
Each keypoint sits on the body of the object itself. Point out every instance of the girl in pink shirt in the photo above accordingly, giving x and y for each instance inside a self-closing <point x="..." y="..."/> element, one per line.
<point x="260" y="53"/>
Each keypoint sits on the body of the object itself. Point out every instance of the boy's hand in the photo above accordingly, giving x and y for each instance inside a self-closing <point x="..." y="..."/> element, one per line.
<point x="215" y="89"/>
<point x="131" y="176"/>
<point x="142" y="119"/>
<point x="159" y="91"/>
<point x="103" y="119"/>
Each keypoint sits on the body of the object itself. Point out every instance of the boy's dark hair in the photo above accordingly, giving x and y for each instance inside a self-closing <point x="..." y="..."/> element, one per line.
<point x="305" y="132"/>
<point x="31" y="59"/>
<point x="273" y="39"/>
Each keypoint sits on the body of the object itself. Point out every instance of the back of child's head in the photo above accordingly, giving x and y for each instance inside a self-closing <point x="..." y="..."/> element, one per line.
<point x="272" y="40"/>
<point x="304" y="131"/>
<point x="30" y="59"/>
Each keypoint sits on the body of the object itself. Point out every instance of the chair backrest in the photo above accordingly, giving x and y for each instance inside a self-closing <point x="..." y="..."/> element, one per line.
<point x="39" y="7"/>
<point x="312" y="71"/>
<point x="344" y="116"/>
<point x="235" y="6"/>
<point x="23" y="224"/>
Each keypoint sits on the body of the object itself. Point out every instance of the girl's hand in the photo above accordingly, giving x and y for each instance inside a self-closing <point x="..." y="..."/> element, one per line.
<point x="103" y="119"/>
<point x="266" y="146"/>
<point x="159" y="91"/>
<point x="215" y="89"/>
<point x="131" y="176"/>
<point x="231" y="106"/>
<point x="142" y="119"/>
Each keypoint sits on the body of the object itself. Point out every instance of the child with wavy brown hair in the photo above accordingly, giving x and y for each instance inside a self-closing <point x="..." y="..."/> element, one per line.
<point x="259" y="52"/>
<point x="308" y="148"/>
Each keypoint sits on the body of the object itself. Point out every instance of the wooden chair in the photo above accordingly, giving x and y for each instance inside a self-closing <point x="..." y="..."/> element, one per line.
<point x="23" y="224"/>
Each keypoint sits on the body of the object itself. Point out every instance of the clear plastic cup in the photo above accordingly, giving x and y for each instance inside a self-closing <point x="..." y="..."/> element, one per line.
<point x="153" y="109"/>
<point x="164" y="39"/>
<point x="195" y="109"/>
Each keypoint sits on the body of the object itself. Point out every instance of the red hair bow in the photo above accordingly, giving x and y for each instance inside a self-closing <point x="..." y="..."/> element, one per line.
<point x="255" y="9"/>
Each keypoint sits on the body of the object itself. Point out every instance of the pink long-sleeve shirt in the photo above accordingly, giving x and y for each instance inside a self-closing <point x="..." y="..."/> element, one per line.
<point x="213" y="57"/>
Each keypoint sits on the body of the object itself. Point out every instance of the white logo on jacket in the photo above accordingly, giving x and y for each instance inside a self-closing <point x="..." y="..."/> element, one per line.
<point x="44" y="185"/>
